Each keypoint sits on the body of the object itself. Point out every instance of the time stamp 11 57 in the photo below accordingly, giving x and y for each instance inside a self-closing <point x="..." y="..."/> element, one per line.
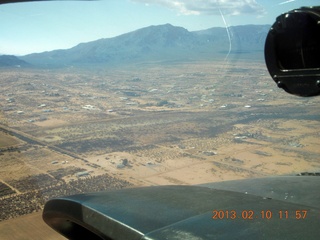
<point x="263" y="214"/>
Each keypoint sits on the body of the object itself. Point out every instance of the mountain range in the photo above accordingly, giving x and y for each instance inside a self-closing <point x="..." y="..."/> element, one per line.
<point x="160" y="44"/>
<point x="12" y="61"/>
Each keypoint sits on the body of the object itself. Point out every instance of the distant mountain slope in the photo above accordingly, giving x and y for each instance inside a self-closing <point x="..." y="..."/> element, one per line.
<point x="159" y="43"/>
<point x="246" y="38"/>
<point x="12" y="61"/>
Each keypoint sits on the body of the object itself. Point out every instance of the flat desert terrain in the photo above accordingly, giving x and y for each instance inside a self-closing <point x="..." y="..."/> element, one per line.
<point x="69" y="131"/>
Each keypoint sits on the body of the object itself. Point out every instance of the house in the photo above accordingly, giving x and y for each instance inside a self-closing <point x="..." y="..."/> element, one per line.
<point x="82" y="174"/>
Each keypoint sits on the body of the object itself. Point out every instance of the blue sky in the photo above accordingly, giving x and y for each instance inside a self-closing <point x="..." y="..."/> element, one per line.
<point x="44" y="26"/>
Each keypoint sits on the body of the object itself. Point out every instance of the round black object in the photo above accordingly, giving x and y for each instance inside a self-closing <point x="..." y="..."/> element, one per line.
<point x="292" y="51"/>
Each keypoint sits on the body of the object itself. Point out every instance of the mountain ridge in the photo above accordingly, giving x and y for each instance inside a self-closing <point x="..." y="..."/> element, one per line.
<point x="12" y="61"/>
<point x="158" y="43"/>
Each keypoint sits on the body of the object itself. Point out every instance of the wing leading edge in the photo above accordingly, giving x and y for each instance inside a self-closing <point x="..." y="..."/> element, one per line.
<point x="212" y="211"/>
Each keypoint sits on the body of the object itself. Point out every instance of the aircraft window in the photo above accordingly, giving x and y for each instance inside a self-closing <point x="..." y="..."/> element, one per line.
<point x="104" y="95"/>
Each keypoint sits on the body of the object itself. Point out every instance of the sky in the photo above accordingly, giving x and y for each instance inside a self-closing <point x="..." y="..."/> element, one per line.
<point x="44" y="26"/>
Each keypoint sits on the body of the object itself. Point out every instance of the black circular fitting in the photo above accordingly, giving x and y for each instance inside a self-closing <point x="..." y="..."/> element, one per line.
<point x="292" y="51"/>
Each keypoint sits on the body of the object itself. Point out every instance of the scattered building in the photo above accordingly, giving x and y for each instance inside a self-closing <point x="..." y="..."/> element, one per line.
<point x="89" y="107"/>
<point x="10" y="100"/>
<point x="209" y="153"/>
<point x="83" y="174"/>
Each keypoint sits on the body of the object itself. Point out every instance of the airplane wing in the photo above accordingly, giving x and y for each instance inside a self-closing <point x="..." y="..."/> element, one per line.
<point x="268" y="208"/>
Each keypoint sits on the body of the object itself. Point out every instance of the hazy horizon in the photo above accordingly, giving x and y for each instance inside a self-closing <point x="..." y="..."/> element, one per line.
<point x="49" y="50"/>
<point x="35" y="27"/>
